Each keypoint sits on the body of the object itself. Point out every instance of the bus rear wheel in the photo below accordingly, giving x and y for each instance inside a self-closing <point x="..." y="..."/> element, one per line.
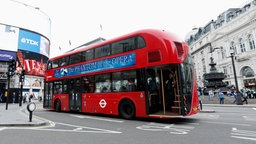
<point x="57" y="106"/>
<point x="127" y="109"/>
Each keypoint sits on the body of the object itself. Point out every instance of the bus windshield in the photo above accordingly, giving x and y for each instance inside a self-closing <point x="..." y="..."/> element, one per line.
<point x="187" y="79"/>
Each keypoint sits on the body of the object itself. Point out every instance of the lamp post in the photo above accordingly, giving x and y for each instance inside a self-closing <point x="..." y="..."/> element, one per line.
<point x="238" y="94"/>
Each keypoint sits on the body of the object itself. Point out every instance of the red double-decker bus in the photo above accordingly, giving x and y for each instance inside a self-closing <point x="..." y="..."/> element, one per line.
<point x="147" y="73"/>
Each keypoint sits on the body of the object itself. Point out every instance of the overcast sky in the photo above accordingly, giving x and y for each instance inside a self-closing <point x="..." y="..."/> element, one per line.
<point x="80" y="21"/>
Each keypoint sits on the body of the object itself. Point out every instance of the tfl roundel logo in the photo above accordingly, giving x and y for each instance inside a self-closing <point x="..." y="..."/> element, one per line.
<point x="102" y="103"/>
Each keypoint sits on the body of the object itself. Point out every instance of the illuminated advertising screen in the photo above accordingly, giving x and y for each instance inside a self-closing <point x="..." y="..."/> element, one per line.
<point x="7" y="55"/>
<point x="33" y="63"/>
<point x="29" y="41"/>
<point x="32" y="42"/>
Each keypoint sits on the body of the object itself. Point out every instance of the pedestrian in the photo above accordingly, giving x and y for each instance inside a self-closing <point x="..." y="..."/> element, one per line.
<point x="25" y="98"/>
<point x="202" y="91"/>
<point x="244" y="96"/>
<point x="221" y="96"/>
<point x="30" y="98"/>
<point x="200" y="100"/>
<point x="210" y="94"/>
<point x="233" y="93"/>
<point x="13" y="97"/>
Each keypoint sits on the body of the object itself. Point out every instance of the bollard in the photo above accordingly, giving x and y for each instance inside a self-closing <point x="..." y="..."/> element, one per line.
<point x="31" y="107"/>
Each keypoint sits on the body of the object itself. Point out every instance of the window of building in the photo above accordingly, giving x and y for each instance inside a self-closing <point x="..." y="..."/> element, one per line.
<point x="225" y="71"/>
<point x="223" y="53"/>
<point x="242" y="46"/>
<point x="247" y="71"/>
<point x="204" y="66"/>
<point x="251" y="42"/>
<point x="233" y="46"/>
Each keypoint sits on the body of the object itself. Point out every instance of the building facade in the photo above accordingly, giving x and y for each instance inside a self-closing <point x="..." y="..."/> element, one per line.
<point x="25" y="37"/>
<point x="234" y="31"/>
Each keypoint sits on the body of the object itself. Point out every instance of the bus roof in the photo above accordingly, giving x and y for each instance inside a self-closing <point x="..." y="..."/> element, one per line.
<point x="161" y="34"/>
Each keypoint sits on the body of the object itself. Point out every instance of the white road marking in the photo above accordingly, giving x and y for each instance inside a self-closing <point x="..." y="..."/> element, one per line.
<point x="247" y="138"/>
<point x="3" y="128"/>
<point x="243" y="134"/>
<point x="97" y="118"/>
<point x="172" y="128"/>
<point x="207" y="116"/>
<point x="224" y="123"/>
<point x="73" y="128"/>
<point x="250" y="117"/>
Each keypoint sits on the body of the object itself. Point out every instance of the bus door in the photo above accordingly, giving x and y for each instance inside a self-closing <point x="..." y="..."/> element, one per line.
<point x="75" y="95"/>
<point x="163" y="93"/>
<point x="47" y="95"/>
<point x="171" y="96"/>
<point x="153" y="91"/>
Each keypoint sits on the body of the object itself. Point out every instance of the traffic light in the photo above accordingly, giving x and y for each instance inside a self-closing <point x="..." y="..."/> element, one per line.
<point x="22" y="76"/>
<point x="12" y="67"/>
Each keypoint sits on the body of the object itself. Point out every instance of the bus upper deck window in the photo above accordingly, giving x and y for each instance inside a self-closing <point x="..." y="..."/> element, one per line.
<point x="55" y="63"/>
<point x="140" y="42"/>
<point x="49" y="66"/>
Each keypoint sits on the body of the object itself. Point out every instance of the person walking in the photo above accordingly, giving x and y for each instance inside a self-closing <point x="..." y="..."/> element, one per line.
<point x="244" y="96"/>
<point x="13" y="97"/>
<point x="233" y="93"/>
<point x="200" y="99"/>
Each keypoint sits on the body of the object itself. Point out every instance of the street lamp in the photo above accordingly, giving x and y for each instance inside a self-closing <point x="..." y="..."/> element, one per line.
<point x="238" y="94"/>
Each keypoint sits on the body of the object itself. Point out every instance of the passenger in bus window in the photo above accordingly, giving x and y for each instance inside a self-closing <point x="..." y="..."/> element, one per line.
<point x="87" y="88"/>
<point x="152" y="85"/>
<point x="169" y="91"/>
<point x="63" y="63"/>
<point x="116" y="85"/>
<point x="98" y="87"/>
<point x="106" y="86"/>
<point x="60" y="90"/>
<point x="131" y="85"/>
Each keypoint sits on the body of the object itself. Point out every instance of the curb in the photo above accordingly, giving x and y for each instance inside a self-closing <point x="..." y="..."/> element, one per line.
<point x="231" y="105"/>
<point x="207" y="111"/>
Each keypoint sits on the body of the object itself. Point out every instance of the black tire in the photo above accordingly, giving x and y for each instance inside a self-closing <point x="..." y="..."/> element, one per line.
<point x="127" y="109"/>
<point x="57" y="106"/>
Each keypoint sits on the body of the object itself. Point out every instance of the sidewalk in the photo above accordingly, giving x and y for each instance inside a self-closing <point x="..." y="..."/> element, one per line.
<point x="208" y="105"/>
<point x="18" y="116"/>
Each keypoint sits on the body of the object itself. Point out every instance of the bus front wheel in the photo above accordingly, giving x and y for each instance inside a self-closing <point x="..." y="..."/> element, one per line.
<point x="127" y="109"/>
<point x="57" y="106"/>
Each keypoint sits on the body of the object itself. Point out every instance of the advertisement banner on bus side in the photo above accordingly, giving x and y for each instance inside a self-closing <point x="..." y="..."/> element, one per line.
<point x="106" y="64"/>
